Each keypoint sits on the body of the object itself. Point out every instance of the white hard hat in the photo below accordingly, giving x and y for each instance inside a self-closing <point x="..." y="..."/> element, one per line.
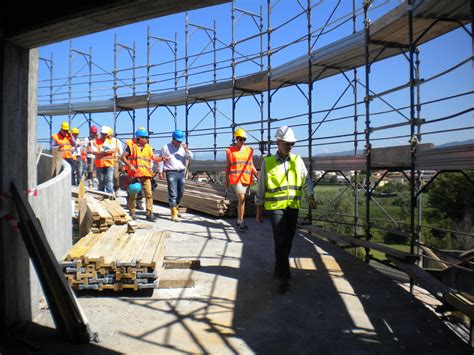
<point x="105" y="130"/>
<point x="286" y="134"/>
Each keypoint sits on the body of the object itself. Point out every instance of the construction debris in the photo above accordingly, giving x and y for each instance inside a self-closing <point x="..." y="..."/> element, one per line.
<point x="207" y="198"/>
<point x="116" y="260"/>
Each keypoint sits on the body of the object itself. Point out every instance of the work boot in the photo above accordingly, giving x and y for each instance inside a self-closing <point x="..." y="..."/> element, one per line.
<point x="133" y="216"/>
<point x="150" y="217"/>
<point x="174" y="214"/>
<point x="177" y="212"/>
<point x="284" y="285"/>
<point x="140" y="205"/>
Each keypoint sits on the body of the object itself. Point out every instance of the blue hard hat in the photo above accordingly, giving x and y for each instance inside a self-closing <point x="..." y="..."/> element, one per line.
<point x="134" y="188"/>
<point x="178" y="135"/>
<point x="141" y="132"/>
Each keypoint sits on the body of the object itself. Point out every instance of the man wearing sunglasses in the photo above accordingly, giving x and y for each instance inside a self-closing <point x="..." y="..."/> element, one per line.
<point x="239" y="172"/>
<point x="283" y="180"/>
<point x="176" y="154"/>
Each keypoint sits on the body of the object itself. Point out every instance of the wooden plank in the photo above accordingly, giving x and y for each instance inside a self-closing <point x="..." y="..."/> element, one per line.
<point x="332" y="236"/>
<point x="434" y="286"/>
<point x="182" y="264"/>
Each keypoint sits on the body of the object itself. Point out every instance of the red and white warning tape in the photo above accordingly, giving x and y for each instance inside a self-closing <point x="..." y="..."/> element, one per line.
<point x="7" y="216"/>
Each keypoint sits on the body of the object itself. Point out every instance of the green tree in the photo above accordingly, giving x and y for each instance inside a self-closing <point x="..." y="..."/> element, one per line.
<point x="451" y="198"/>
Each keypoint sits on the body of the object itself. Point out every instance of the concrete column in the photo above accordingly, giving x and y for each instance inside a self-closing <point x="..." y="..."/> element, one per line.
<point x="18" y="91"/>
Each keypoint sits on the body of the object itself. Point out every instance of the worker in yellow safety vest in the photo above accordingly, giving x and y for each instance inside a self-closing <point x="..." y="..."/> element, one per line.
<point x="239" y="173"/>
<point x="138" y="158"/>
<point x="104" y="162"/>
<point x="283" y="179"/>
<point x="63" y="142"/>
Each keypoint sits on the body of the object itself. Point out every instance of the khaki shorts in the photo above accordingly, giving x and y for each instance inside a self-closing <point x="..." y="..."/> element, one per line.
<point x="241" y="189"/>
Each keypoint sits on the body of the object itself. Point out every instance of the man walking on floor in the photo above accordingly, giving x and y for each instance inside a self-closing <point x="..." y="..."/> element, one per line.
<point x="138" y="159"/>
<point x="175" y="167"/>
<point x="239" y="172"/>
<point x="283" y="179"/>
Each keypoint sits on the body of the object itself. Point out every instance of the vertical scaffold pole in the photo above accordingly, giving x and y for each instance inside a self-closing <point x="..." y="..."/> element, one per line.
<point x="214" y="109"/>
<point x="89" y="119"/>
<point x="115" y="82"/>
<point x="186" y="92"/>
<point x="148" y="49"/>
<point x="134" y="81"/>
<point x="413" y="138"/>
<point x="356" y="133"/>
<point x="175" y="77"/>
<point x="310" y="103"/>
<point x="232" y="46"/>
<point x="69" y="84"/>
<point x="262" y="129"/>
<point x="368" y="146"/>
<point x="269" y="68"/>
<point x="418" y="135"/>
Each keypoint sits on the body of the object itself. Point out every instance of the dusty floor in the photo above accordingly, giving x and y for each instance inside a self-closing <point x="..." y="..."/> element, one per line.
<point x="337" y="304"/>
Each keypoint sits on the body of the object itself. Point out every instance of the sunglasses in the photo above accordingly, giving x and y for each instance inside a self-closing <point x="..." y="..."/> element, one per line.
<point x="241" y="139"/>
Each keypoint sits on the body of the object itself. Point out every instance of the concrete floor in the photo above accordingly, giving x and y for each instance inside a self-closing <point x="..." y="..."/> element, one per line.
<point x="337" y="304"/>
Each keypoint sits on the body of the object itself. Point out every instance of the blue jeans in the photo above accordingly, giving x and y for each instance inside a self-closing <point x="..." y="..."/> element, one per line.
<point x="175" y="181"/>
<point x="106" y="179"/>
<point x="77" y="172"/>
<point x="284" y="227"/>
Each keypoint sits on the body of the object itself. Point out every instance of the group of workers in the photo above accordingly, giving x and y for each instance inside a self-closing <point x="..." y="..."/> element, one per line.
<point x="104" y="157"/>
<point x="282" y="181"/>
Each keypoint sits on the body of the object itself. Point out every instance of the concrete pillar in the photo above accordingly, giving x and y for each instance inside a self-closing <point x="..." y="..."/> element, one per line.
<point x="18" y="91"/>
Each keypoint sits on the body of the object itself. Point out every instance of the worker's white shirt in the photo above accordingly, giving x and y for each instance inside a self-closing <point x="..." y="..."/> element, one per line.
<point x="89" y="146"/>
<point x="77" y="148"/>
<point x="178" y="157"/>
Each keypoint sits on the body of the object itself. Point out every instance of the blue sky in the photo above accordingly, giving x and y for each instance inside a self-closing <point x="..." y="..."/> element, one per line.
<point x="436" y="56"/>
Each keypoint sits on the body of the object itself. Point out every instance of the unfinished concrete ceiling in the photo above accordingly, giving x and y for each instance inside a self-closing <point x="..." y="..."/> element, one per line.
<point x="43" y="22"/>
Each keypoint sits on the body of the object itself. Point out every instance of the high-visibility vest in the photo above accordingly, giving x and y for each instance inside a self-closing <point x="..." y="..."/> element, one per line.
<point x="115" y="143"/>
<point x="64" y="144"/>
<point x="284" y="187"/>
<point x="141" y="159"/>
<point x="107" y="160"/>
<point x="241" y="166"/>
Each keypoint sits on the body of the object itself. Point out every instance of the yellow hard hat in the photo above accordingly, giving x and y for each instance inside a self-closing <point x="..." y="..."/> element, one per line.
<point x="75" y="130"/>
<point x="239" y="132"/>
<point x="65" y="126"/>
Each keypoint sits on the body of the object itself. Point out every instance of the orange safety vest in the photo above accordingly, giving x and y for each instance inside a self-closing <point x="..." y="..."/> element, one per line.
<point x="64" y="144"/>
<point x="141" y="159"/>
<point x="241" y="166"/>
<point x="104" y="161"/>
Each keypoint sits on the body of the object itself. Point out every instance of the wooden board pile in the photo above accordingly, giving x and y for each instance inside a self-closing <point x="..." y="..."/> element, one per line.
<point x="207" y="198"/>
<point x="116" y="260"/>
<point x="103" y="213"/>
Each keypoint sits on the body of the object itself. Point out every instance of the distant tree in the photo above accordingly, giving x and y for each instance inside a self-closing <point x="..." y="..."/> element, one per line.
<point x="451" y="198"/>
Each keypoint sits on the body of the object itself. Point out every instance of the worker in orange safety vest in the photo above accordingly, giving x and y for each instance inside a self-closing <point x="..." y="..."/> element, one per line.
<point x="239" y="173"/>
<point x="63" y="142"/>
<point x="138" y="158"/>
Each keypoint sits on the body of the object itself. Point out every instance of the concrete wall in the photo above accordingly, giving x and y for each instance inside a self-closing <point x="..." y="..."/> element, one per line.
<point x="53" y="208"/>
<point x="18" y="85"/>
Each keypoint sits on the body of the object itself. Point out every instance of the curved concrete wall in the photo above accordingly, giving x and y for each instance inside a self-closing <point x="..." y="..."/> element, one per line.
<point x="53" y="208"/>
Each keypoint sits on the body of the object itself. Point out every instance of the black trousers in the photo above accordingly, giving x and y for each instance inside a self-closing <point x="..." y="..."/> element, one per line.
<point x="284" y="227"/>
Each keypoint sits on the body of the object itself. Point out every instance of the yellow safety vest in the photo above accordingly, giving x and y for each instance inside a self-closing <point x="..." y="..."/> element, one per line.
<point x="284" y="188"/>
<point x="241" y="166"/>
<point x="141" y="159"/>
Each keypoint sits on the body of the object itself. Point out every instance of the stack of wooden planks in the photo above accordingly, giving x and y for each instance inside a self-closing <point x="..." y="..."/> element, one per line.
<point x="103" y="213"/>
<point x="116" y="260"/>
<point x="207" y="198"/>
